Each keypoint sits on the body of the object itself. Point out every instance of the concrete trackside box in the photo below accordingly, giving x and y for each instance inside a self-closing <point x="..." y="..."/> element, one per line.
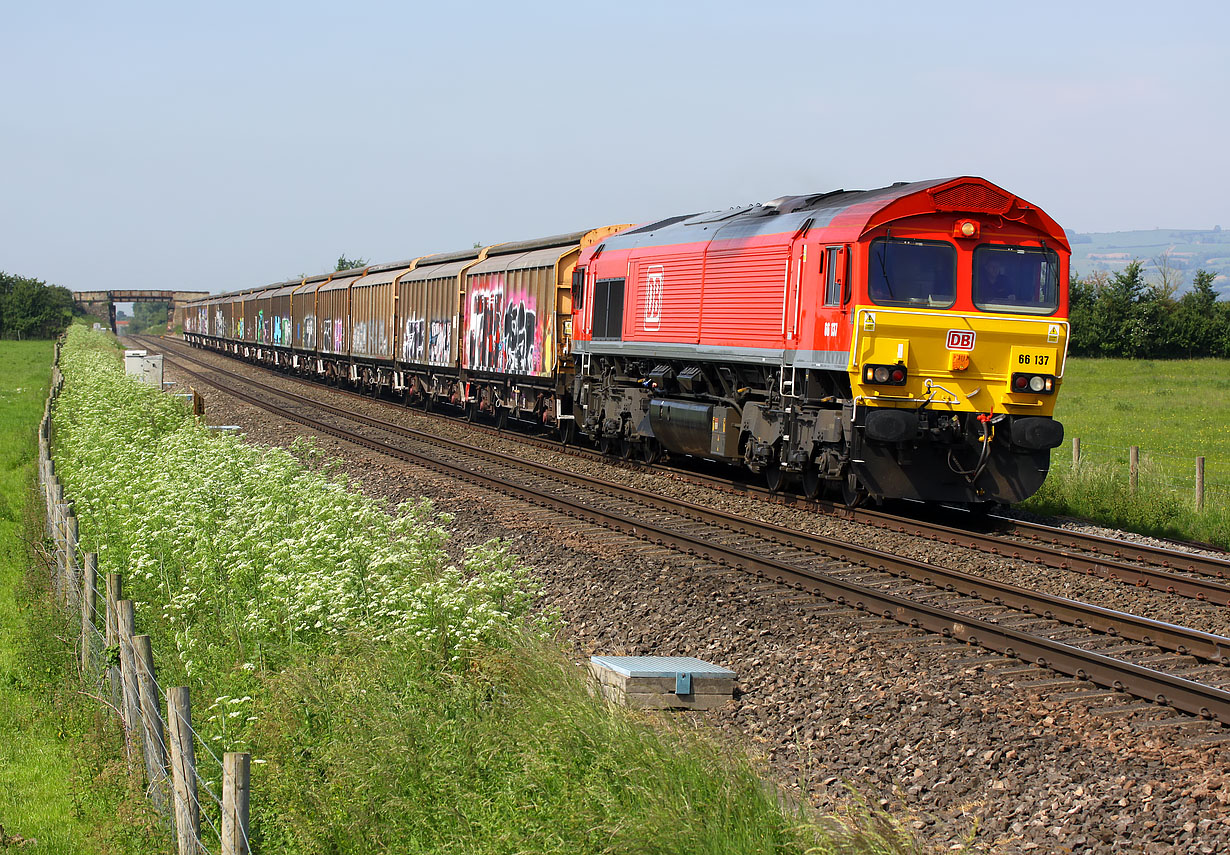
<point x="662" y="682"/>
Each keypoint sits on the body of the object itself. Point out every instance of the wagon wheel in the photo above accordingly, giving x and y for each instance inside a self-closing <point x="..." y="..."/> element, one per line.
<point x="567" y="431"/>
<point x="501" y="417"/>
<point x="425" y="401"/>
<point x="812" y="482"/>
<point x="606" y="444"/>
<point x="774" y="477"/>
<point x="651" y="451"/>
<point x="472" y="411"/>
<point x="627" y="447"/>
<point x="853" y="493"/>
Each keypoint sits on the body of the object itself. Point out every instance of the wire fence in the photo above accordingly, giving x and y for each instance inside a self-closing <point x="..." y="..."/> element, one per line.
<point x="1205" y="481"/>
<point x="117" y="668"/>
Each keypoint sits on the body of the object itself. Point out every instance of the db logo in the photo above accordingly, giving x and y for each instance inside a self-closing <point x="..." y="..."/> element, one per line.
<point x="653" y="297"/>
<point x="960" y="339"/>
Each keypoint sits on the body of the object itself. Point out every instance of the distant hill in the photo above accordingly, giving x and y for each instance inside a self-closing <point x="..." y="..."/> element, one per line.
<point x="1189" y="251"/>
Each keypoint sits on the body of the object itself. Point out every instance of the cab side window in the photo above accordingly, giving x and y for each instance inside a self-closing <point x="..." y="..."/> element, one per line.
<point x="834" y="275"/>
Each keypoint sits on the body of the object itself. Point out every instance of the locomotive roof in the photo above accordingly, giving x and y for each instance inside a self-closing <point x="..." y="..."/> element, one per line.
<point x="789" y="214"/>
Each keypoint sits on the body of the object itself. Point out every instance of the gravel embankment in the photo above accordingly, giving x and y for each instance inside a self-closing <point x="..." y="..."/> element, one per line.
<point x="946" y="736"/>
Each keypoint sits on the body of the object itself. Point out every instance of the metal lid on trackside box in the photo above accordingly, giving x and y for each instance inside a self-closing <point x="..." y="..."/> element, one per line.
<point x="661" y="666"/>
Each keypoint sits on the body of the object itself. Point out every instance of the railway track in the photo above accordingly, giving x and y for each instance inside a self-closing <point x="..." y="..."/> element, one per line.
<point x="1201" y="577"/>
<point x="1067" y="636"/>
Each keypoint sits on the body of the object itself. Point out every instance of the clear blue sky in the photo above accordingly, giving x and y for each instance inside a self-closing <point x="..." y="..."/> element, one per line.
<point x="224" y="145"/>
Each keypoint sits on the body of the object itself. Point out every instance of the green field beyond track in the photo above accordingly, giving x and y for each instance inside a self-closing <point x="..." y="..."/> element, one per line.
<point x="1174" y="412"/>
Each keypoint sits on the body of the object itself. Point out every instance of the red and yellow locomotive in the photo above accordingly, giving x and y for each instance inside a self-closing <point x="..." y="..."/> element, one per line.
<point x="901" y="342"/>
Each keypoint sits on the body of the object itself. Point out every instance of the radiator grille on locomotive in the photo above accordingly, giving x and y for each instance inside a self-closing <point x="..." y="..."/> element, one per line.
<point x="972" y="197"/>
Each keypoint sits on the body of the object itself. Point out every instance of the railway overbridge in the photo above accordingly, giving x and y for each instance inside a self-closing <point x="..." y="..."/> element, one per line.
<point x="102" y="303"/>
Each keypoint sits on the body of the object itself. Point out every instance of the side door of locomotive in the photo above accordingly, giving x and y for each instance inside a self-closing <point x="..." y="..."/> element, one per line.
<point x="833" y="300"/>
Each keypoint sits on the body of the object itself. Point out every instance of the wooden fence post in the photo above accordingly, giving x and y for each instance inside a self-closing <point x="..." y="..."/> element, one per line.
<point x="58" y="513"/>
<point x="89" y="602"/>
<point x="115" y="592"/>
<point x="235" y="781"/>
<point x="128" y="678"/>
<point x="1134" y="466"/>
<point x="1200" y="483"/>
<point x="183" y="771"/>
<point x="1076" y="451"/>
<point x="151" y="717"/>
<point x="61" y="542"/>
<point x="72" y="536"/>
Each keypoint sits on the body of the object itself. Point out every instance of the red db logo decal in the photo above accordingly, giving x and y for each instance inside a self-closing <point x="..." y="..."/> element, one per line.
<point x="960" y="339"/>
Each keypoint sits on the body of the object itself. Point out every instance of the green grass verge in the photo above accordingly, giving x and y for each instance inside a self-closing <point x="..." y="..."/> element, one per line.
<point x="59" y="781"/>
<point x="1174" y="411"/>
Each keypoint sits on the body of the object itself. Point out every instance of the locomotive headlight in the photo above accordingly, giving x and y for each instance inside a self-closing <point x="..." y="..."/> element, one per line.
<point x="965" y="229"/>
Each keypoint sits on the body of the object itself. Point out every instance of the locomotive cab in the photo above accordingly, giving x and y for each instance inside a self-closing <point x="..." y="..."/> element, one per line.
<point x="958" y="349"/>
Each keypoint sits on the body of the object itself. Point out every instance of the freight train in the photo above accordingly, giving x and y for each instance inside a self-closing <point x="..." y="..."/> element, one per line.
<point x="904" y="342"/>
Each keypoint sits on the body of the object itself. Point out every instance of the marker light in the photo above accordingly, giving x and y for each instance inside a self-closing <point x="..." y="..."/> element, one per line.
<point x="1041" y="384"/>
<point x="885" y="375"/>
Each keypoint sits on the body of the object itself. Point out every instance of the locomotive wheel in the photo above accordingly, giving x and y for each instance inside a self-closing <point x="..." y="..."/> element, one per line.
<point x="852" y="492"/>
<point x="567" y="431"/>
<point x="650" y="452"/>
<point x="812" y="482"/>
<point x="774" y="477"/>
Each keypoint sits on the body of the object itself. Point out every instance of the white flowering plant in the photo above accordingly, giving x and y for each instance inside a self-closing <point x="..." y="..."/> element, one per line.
<point x="243" y="560"/>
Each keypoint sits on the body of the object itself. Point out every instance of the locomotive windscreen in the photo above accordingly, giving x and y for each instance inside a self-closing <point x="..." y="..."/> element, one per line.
<point x="1016" y="279"/>
<point x="912" y="273"/>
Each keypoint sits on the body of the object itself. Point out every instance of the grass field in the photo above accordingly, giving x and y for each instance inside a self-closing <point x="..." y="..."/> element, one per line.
<point x="35" y="800"/>
<point x="59" y="783"/>
<point x="1174" y="411"/>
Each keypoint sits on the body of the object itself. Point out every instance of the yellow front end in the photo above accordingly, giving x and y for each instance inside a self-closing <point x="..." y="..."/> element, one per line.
<point x="958" y="363"/>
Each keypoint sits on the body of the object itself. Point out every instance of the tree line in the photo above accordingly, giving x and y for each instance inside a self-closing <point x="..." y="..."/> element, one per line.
<point x="30" y="308"/>
<point x="1123" y="315"/>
